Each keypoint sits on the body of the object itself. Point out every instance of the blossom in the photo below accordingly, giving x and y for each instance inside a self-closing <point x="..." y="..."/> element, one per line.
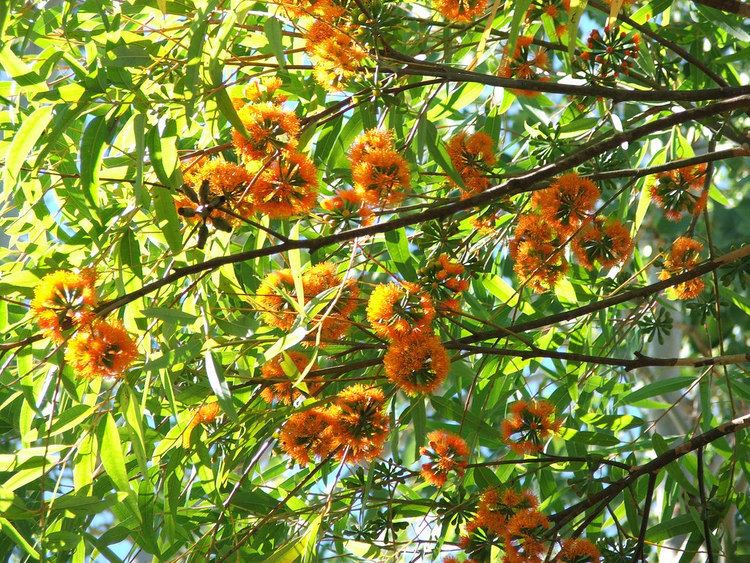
<point x="285" y="392"/>
<point x="605" y="241"/>
<point x="538" y="258"/>
<point x="443" y="278"/>
<point x="447" y="452"/>
<point x="339" y="298"/>
<point x="417" y="363"/>
<point x="307" y="434"/>
<point x="524" y="535"/>
<point x="64" y="300"/>
<point x="287" y="186"/>
<point x="567" y="202"/>
<point x="270" y="129"/>
<point x="361" y="425"/>
<point x="335" y="54"/>
<point x="497" y="507"/>
<point x="274" y="299"/>
<point x="212" y="184"/>
<point x="555" y="9"/>
<point x="471" y="156"/>
<point x="529" y="425"/>
<point x="347" y="209"/>
<point x="369" y="141"/>
<point x="294" y="9"/>
<point x="683" y="257"/>
<point x="396" y="310"/>
<point x="610" y="53"/>
<point x="577" y="550"/>
<point x="525" y="64"/>
<point x="460" y="10"/>
<point x="205" y="414"/>
<point x="102" y="350"/>
<point x="260" y="91"/>
<point x="381" y="177"/>
<point x="680" y="190"/>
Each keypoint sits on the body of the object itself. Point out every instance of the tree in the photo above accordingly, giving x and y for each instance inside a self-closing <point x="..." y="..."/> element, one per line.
<point x="374" y="280"/>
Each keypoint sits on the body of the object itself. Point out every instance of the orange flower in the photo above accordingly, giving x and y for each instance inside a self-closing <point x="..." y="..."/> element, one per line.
<point x="447" y="452"/>
<point x="287" y="187"/>
<point x="286" y="392"/>
<point x="606" y="242"/>
<point x="335" y="315"/>
<point x="273" y="299"/>
<point x="306" y="434"/>
<point x="578" y="551"/>
<point x="524" y="537"/>
<point x="395" y="311"/>
<point x="63" y="301"/>
<point x="681" y="190"/>
<point x="610" y="53"/>
<point x="335" y="54"/>
<point x="294" y="9"/>
<point x="205" y="414"/>
<point x="225" y="186"/>
<point x="361" y="425"/>
<point x="102" y="350"/>
<point x="417" y="363"/>
<point x="369" y="141"/>
<point x="525" y="64"/>
<point x="347" y="210"/>
<point x="567" y="202"/>
<point x="529" y="425"/>
<point x="262" y="90"/>
<point x="537" y="254"/>
<point x="683" y="257"/>
<point x="270" y="129"/>
<point x="472" y="155"/>
<point x="443" y="279"/>
<point x="460" y="10"/>
<point x="497" y="507"/>
<point x="381" y="177"/>
<point x="553" y="8"/>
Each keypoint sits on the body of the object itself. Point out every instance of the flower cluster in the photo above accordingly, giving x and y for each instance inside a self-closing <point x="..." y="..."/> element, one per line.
<point x="205" y="414"/>
<point x="683" y="257"/>
<point x="330" y="40"/>
<point x="64" y="301"/>
<point x="610" y="53"/>
<point x="285" y="391"/>
<point x="63" y="305"/>
<point x="446" y="452"/>
<point x="395" y="310"/>
<point x="444" y="279"/>
<point x="529" y="425"/>
<point x="380" y="174"/>
<point x="417" y="363"/>
<point x="472" y="156"/>
<point x="510" y="519"/>
<point x="462" y="11"/>
<point x="555" y="9"/>
<point x="346" y="210"/>
<point x="525" y="64"/>
<point x="354" y="427"/>
<point x="337" y="298"/>
<point x="681" y="190"/>
<point x="563" y="212"/>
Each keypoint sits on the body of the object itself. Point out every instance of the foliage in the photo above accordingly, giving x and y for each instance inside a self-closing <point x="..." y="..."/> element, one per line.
<point x="374" y="280"/>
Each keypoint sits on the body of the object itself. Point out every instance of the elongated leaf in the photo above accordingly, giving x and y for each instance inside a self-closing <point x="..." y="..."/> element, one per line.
<point x="22" y="144"/>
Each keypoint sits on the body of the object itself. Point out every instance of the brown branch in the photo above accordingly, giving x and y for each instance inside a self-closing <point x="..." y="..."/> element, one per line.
<point x="451" y="74"/>
<point x="652" y="467"/>
<point x="708" y="266"/>
<point x="511" y="187"/>
<point x="731" y="6"/>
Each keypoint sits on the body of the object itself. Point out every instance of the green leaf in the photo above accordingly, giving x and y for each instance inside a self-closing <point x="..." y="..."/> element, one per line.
<point x="28" y="80"/>
<point x="95" y="137"/>
<point x="219" y="385"/>
<point x="272" y="27"/>
<point x="656" y="389"/>
<point x="18" y="539"/>
<point x="167" y="218"/>
<point x="22" y="144"/>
